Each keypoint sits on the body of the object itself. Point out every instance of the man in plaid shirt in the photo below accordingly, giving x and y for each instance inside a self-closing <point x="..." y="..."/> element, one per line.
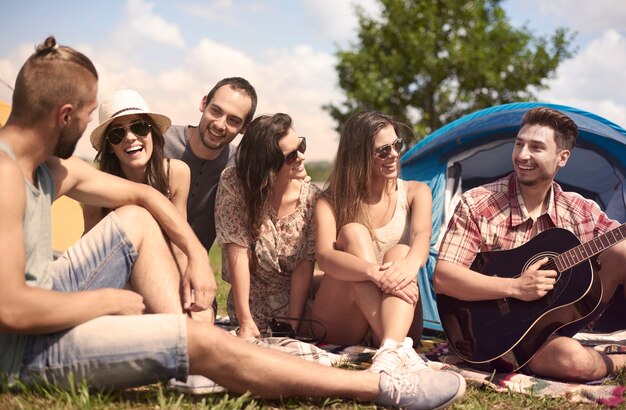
<point x="509" y="212"/>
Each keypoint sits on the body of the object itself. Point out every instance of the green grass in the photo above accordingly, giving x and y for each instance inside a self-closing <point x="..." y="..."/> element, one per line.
<point x="215" y="258"/>
<point x="156" y="396"/>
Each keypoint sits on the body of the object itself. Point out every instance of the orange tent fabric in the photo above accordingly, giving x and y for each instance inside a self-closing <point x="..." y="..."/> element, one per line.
<point x="67" y="223"/>
<point x="5" y="109"/>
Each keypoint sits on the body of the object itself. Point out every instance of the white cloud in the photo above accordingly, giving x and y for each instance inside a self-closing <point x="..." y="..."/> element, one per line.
<point x="583" y="15"/>
<point x="140" y="23"/>
<point x="10" y="66"/>
<point x="210" y="11"/>
<point x="336" y="19"/>
<point x="592" y="80"/>
<point x="297" y="81"/>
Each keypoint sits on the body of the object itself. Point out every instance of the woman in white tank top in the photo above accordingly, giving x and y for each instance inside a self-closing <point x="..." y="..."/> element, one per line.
<point x="373" y="235"/>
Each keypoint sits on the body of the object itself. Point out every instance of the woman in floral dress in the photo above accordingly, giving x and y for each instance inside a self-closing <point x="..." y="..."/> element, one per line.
<point x="265" y="226"/>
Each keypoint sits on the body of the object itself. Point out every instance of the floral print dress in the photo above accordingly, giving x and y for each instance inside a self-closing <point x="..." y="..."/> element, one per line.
<point x="282" y="244"/>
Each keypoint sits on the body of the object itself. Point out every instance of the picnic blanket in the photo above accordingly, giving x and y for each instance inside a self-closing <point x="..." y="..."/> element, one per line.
<point x="434" y="350"/>
<point x="437" y="355"/>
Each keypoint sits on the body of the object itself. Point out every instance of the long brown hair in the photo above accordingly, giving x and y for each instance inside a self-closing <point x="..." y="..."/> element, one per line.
<point x="350" y="180"/>
<point x="258" y="160"/>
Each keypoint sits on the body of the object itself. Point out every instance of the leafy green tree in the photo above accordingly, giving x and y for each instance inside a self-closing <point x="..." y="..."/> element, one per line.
<point x="428" y="62"/>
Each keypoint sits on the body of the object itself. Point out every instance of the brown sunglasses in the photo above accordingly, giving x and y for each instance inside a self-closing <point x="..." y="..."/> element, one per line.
<point x="293" y="155"/>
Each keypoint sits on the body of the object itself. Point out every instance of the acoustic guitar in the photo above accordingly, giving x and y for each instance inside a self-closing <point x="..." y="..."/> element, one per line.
<point x="506" y="333"/>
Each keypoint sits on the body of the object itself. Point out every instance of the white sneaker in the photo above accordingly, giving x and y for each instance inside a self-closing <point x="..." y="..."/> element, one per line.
<point x="411" y="361"/>
<point x="387" y="358"/>
<point x="195" y="384"/>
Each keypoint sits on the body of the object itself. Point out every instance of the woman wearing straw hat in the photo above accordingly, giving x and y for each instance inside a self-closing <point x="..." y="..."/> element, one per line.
<point x="129" y="141"/>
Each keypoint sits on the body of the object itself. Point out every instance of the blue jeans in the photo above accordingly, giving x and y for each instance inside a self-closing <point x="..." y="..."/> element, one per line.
<point x="109" y="351"/>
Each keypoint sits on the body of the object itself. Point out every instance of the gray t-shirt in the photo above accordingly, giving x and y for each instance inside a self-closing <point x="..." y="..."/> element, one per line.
<point x="205" y="175"/>
<point x="38" y="249"/>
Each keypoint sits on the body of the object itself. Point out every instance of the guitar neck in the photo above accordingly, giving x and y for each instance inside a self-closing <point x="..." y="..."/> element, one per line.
<point x="587" y="250"/>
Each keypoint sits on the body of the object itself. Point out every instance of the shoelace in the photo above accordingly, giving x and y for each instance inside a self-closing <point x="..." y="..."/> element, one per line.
<point x="405" y="384"/>
<point x="388" y="359"/>
<point x="411" y="360"/>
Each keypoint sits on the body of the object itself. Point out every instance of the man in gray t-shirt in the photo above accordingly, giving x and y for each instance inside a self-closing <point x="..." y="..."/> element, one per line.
<point x="207" y="149"/>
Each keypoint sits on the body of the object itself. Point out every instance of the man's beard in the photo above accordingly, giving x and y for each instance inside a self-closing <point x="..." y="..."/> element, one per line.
<point x="67" y="140"/>
<point x="543" y="176"/>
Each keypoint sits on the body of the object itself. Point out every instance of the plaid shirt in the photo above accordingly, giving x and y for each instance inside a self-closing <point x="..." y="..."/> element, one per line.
<point x="493" y="217"/>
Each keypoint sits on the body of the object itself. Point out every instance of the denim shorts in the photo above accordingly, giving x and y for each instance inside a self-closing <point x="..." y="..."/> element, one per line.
<point x="108" y="351"/>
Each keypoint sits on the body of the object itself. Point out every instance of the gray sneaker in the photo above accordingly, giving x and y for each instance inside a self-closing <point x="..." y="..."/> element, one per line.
<point x="420" y="390"/>
<point x="195" y="384"/>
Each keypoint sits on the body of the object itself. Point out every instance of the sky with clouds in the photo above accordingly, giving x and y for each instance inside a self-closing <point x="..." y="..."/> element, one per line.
<point x="173" y="52"/>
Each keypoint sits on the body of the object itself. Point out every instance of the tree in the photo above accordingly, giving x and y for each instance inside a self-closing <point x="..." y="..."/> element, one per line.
<point x="428" y="62"/>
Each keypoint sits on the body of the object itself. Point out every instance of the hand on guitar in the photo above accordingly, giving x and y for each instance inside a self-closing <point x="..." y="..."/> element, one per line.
<point x="534" y="282"/>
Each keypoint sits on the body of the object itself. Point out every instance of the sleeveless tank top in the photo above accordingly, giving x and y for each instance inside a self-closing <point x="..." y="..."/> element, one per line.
<point x="38" y="248"/>
<point x="398" y="230"/>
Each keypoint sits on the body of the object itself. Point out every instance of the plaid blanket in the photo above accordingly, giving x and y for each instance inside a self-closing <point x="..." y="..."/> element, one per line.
<point x="435" y="352"/>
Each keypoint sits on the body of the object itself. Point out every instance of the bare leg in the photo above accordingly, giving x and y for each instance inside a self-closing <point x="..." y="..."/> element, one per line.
<point x="347" y="308"/>
<point x="336" y="308"/>
<point x="612" y="272"/>
<point x="397" y="315"/>
<point x="155" y="273"/>
<point x="219" y="356"/>
<point x="565" y="359"/>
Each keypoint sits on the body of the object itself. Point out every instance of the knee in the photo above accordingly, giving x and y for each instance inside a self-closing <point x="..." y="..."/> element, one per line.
<point x="352" y="233"/>
<point x="200" y="338"/>
<point x="612" y="262"/>
<point x="137" y="222"/>
<point x="398" y="251"/>
<point x="577" y="362"/>
<point x="133" y="214"/>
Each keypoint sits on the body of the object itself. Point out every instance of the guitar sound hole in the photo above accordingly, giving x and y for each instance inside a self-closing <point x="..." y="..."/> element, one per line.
<point x="549" y="265"/>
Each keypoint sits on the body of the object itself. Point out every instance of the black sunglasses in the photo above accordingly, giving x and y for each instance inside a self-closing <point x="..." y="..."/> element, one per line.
<point x="117" y="134"/>
<point x="384" y="151"/>
<point x="293" y="155"/>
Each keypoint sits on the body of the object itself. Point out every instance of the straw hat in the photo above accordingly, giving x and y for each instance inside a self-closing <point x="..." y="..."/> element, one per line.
<point x="121" y="103"/>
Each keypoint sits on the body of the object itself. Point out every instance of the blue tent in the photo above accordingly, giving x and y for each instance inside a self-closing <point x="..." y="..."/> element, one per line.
<point x="476" y="149"/>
